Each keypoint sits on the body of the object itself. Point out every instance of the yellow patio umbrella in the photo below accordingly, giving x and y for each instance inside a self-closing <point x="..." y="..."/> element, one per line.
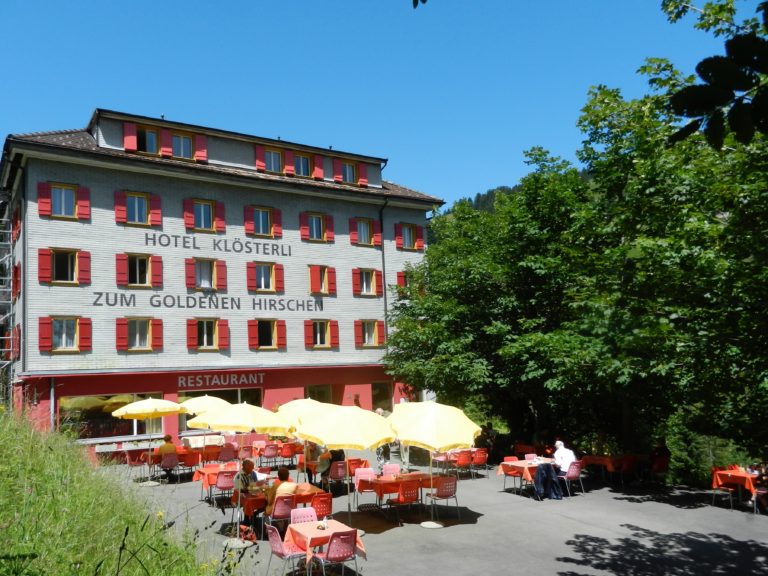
<point x="202" y="404"/>
<point x="82" y="402"/>
<point x="305" y="408"/>
<point x="434" y="427"/>
<point x="242" y="418"/>
<point x="146" y="410"/>
<point x="117" y="401"/>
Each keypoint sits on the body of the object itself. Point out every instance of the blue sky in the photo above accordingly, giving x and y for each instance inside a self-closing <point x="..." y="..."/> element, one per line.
<point x="451" y="93"/>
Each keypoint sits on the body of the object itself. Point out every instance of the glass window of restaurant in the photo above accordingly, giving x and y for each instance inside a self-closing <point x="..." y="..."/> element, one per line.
<point x="91" y="416"/>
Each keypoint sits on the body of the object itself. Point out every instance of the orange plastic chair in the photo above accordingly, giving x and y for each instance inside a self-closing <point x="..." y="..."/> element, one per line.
<point x="322" y="502"/>
<point x="464" y="462"/>
<point x="479" y="461"/>
<point x="287" y="453"/>
<point x="511" y="472"/>
<point x="407" y="496"/>
<point x="446" y="489"/>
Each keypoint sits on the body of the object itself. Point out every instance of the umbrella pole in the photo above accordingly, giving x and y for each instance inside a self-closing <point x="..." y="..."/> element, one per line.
<point x="431" y="523"/>
<point x="149" y="482"/>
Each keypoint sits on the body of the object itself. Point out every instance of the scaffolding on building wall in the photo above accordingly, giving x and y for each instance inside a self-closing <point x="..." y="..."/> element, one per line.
<point x="7" y="313"/>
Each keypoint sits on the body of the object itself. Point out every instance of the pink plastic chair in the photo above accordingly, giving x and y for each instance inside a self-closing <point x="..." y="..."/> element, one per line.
<point x="269" y="455"/>
<point x="284" y="550"/>
<point x="362" y="474"/>
<point x="322" y="502"/>
<point x="281" y="511"/>
<point x="530" y="456"/>
<point x="342" y="547"/>
<point x="390" y="469"/>
<point x="307" y="514"/>
<point x="228" y="453"/>
<point x="573" y="473"/>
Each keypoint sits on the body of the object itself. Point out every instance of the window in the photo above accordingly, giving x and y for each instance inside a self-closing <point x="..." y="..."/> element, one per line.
<point x="302" y="165"/>
<point x="369" y="332"/>
<point x="138" y="267"/>
<point x="266" y="334"/>
<point x="207" y="334"/>
<point x="63" y="203"/>
<point x="137" y="208"/>
<point x="322" y="280"/>
<point x="367" y="282"/>
<point x="64" y="266"/>
<point x="138" y="334"/>
<point x="146" y="140"/>
<point x="273" y="161"/>
<point x="205" y="274"/>
<point x="263" y="276"/>
<point x="64" y="333"/>
<point x="262" y="221"/>
<point x="364" y="232"/>
<point x="316" y="227"/>
<point x="203" y="215"/>
<point x="409" y="237"/>
<point x="348" y="172"/>
<point x="320" y="392"/>
<point x="182" y="146"/>
<point x="321" y="333"/>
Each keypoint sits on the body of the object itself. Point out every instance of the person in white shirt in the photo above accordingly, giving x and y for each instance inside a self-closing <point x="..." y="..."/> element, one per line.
<point x="563" y="458"/>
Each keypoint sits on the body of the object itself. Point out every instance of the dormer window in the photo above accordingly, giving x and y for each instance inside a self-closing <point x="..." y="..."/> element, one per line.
<point x="146" y="140"/>
<point x="273" y="161"/>
<point x="302" y="165"/>
<point x="182" y="146"/>
<point x="348" y="172"/>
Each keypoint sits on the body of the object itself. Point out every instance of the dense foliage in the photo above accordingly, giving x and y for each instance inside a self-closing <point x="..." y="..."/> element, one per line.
<point x="607" y="309"/>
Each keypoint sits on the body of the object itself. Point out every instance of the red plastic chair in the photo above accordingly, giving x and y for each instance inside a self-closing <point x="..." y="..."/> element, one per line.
<point x="480" y="461"/>
<point x="338" y="472"/>
<point x="342" y="547"/>
<point x="134" y="462"/>
<point x="322" y="502"/>
<point x="225" y="484"/>
<point x="407" y="496"/>
<point x="269" y="455"/>
<point x="464" y="462"/>
<point x="228" y="453"/>
<point x="284" y="550"/>
<point x="446" y="489"/>
<point x="281" y="511"/>
<point x="511" y="472"/>
<point x="287" y="453"/>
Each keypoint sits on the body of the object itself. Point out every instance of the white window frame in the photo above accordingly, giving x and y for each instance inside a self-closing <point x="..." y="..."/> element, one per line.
<point x="205" y="210"/>
<point x="273" y="161"/>
<point x="367" y="282"/>
<point x="367" y="225"/>
<point x="181" y="146"/>
<point x="265" y="271"/>
<point x="321" y="337"/>
<point x="205" y="274"/>
<point x="139" y="334"/>
<point x="272" y="333"/>
<point x="71" y="266"/>
<point x="409" y="236"/>
<point x="134" y="267"/>
<point x="67" y="329"/>
<point x="370" y="333"/>
<point x="132" y="204"/>
<point x="348" y="172"/>
<point x="300" y="162"/>
<point x="207" y="338"/>
<point x="259" y="215"/>
<point x="63" y="200"/>
<point x="316" y="223"/>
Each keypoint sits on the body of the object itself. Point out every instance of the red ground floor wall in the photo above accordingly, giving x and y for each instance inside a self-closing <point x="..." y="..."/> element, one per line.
<point x="37" y="397"/>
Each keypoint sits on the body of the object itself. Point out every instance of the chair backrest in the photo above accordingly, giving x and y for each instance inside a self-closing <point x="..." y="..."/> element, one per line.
<point x="264" y="470"/>
<point x="531" y="456"/>
<point x="409" y="491"/>
<point x="286" y="450"/>
<point x="270" y="451"/>
<point x="225" y="480"/>
<point x="363" y="474"/>
<point x="227" y="452"/>
<point x="447" y="487"/>
<point x="322" y="502"/>
<point x="341" y="546"/>
<point x="275" y="542"/>
<point x="574" y="470"/>
<point x="170" y="460"/>
<point x="479" y="458"/>
<point x="245" y="452"/>
<point x="338" y="470"/>
<point x="464" y="458"/>
<point x="390" y="469"/>
<point x="511" y="458"/>
<point x="307" y="514"/>
<point x="260" y="444"/>
<point x="283" y="506"/>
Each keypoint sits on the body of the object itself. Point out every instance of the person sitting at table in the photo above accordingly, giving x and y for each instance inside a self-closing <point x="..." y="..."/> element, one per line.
<point x="314" y="454"/>
<point x="563" y="458"/>
<point x="247" y="475"/>
<point x="283" y="486"/>
<point x="167" y="447"/>
<point x="327" y="459"/>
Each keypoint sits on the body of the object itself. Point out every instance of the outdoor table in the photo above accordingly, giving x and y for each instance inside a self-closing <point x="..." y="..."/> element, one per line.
<point x="189" y="457"/>
<point x="383" y="485"/>
<point x="526" y="467"/>
<point x="738" y="478"/>
<point x="209" y="473"/>
<point x="250" y="502"/>
<point x="307" y="535"/>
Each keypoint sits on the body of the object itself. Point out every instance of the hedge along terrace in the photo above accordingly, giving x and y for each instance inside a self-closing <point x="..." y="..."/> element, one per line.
<point x="58" y="515"/>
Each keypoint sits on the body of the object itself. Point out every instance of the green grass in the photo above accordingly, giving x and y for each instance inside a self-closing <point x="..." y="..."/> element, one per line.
<point x="59" y="515"/>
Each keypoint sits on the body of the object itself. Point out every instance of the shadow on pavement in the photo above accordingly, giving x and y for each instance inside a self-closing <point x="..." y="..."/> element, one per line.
<point x="679" y="498"/>
<point x="648" y="553"/>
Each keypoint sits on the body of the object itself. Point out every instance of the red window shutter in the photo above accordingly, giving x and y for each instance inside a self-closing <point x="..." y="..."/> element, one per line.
<point x="189" y="213"/>
<point x="314" y="279"/>
<point x="44" y="264"/>
<point x="419" y="238"/>
<point x="329" y="235"/>
<point x="44" y="198"/>
<point x="223" y="330"/>
<point x="156" y="271"/>
<point x="121" y="333"/>
<point x="250" y="276"/>
<point x="279" y="278"/>
<point x="121" y="212"/>
<point x="121" y="269"/>
<point x="189" y="272"/>
<point x="83" y="267"/>
<point x="85" y="331"/>
<point x="318" y="171"/>
<point x="376" y="233"/>
<point x="221" y="275"/>
<point x="337" y="170"/>
<point x="201" y="148"/>
<point x="331" y="273"/>
<point x="16" y="226"/>
<point x="334" y="334"/>
<point x="16" y="343"/>
<point x="304" y="225"/>
<point x="379" y="283"/>
<point x="192" y="334"/>
<point x="277" y="223"/>
<point x="356" y="281"/>
<point x="130" y="142"/>
<point x="261" y="165"/>
<point x="381" y="335"/>
<point x="399" y="235"/>
<point x="358" y="333"/>
<point x="282" y="339"/>
<point x="253" y="334"/>
<point x="248" y="220"/>
<point x="157" y="333"/>
<point x="166" y="143"/>
<point x="218" y="222"/>
<point x="289" y="167"/>
<point x="362" y="174"/>
<point x="353" y="230"/>
<point x="83" y="203"/>
<point x="155" y="210"/>
<point x="45" y="336"/>
<point x="16" y="280"/>
<point x="309" y="337"/>
<point x="401" y="279"/>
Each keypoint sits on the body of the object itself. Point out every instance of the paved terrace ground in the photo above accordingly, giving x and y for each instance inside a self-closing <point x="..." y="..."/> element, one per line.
<point x="638" y="530"/>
